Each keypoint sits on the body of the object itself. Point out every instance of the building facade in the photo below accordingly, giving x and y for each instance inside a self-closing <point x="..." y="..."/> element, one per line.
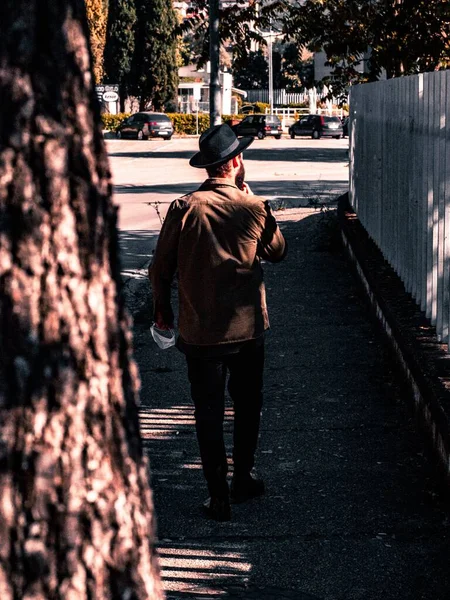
<point x="193" y="91"/>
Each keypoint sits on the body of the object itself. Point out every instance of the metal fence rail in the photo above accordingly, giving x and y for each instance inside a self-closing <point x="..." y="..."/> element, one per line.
<point x="400" y="182"/>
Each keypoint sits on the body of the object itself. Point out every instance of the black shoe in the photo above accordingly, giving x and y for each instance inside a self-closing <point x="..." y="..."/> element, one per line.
<point x="217" y="508"/>
<point x="243" y="489"/>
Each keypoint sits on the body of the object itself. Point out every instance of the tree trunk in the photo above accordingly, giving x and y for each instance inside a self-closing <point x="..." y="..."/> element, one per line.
<point x="122" y="98"/>
<point x="76" y="512"/>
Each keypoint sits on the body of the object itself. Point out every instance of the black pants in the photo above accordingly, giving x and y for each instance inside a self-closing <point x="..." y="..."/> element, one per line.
<point x="207" y="377"/>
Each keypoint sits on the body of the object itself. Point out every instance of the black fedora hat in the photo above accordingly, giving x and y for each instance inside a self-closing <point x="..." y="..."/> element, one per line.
<point x="217" y="145"/>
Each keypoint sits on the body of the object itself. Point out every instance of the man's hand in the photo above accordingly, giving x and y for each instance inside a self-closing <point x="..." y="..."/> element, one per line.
<point x="163" y="326"/>
<point x="161" y="323"/>
<point x="246" y="189"/>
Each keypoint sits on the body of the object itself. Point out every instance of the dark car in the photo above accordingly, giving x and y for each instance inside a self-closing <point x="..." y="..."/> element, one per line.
<point x="143" y="125"/>
<point x="259" y="126"/>
<point x="246" y="109"/>
<point x="317" y="126"/>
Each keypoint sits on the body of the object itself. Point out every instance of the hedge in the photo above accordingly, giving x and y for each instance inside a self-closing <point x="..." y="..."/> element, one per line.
<point x="231" y="118"/>
<point x="255" y="107"/>
<point x="111" y="122"/>
<point x="187" y="123"/>
<point x="260" y="107"/>
<point x="183" y="123"/>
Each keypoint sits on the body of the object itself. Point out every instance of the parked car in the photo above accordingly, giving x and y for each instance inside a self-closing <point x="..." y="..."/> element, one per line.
<point x="259" y="126"/>
<point x="246" y="109"/>
<point x="143" y="125"/>
<point x="345" y="127"/>
<point x="317" y="126"/>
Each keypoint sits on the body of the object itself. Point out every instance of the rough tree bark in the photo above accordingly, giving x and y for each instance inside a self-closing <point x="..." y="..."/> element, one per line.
<point x="76" y="513"/>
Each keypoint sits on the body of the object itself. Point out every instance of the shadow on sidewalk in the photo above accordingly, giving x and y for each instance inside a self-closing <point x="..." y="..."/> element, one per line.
<point x="281" y="154"/>
<point x="351" y="510"/>
<point x="136" y="248"/>
<point x="282" y="193"/>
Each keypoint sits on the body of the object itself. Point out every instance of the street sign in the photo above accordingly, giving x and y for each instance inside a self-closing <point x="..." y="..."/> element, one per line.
<point x="107" y="93"/>
<point x="110" y="96"/>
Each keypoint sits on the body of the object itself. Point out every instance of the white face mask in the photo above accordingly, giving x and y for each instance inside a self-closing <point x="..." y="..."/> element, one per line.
<point x="165" y="338"/>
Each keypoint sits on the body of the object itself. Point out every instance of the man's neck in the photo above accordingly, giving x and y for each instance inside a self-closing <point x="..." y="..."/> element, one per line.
<point x="218" y="181"/>
<point x="228" y="178"/>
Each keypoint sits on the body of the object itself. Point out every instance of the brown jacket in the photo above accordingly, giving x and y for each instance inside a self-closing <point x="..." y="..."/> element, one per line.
<point x="216" y="238"/>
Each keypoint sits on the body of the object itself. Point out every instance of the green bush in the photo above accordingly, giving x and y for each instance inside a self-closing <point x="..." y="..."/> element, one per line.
<point x="240" y="100"/>
<point x="184" y="124"/>
<point x="260" y="107"/>
<point x="112" y="122"/>
<point x="230" y="118"/>
<point x="187" y="124"/>
<point x="304" y="104"/>
<point x="255" y="107"/>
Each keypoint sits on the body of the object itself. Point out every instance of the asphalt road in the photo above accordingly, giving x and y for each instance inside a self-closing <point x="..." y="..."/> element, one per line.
<point x="148" y="175"/>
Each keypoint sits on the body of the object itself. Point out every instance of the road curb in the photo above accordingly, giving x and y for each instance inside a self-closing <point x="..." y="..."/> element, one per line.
<point x="423" y="360"/>
<point x="137" y="292"/>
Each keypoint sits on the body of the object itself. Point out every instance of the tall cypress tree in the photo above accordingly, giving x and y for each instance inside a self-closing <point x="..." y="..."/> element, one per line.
<point x="154" y="72"/>
<point x="96" y="11"/>
<point x="120" y="44"/>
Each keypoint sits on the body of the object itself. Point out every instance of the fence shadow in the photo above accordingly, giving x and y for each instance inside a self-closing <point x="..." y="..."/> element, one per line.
<point x="283" y="153"/>
<point x="284" y="193"/>
<point x="136" y="248"/>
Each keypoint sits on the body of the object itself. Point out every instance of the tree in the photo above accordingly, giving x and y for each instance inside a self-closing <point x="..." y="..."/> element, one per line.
<point x="241" y="27"/>
<point x="119" y="47"/>
<point x="410" y="36"/>
<point x="400" y="37"/>
<point x="296" y="70"/>
<point x="291" y="71"/>
<point x="255" y="74"/>
<point x="76" y="513"/>
<point x="97" y="12"/>
<point x="154" y="72"/>
<point x="191" y="47"/>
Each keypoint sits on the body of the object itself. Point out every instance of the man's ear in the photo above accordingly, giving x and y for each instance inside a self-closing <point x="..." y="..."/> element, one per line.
<point x="236" y="161"/>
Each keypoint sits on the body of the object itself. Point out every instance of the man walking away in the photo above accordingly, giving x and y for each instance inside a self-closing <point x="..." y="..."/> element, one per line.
<point x="215" y="239"/>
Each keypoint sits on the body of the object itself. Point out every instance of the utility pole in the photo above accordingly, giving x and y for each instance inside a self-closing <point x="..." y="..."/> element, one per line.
<point x="214" y="83"/>
<point x="270" y="72"/>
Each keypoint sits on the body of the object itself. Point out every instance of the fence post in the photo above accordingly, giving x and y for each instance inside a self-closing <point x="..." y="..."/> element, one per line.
<point x="445" y="182"/>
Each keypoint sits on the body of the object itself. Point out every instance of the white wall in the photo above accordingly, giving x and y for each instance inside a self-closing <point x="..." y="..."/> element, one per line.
<point x="400" y="181"/>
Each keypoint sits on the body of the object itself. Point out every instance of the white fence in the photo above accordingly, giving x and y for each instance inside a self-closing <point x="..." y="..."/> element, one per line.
<point x="400" y="182"/>
<point x="281" y="97"/>
<point x="290" y="115"/>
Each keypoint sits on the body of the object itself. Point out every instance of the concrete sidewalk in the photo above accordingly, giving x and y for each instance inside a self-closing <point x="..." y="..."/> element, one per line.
<point x="352" y="510"/>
